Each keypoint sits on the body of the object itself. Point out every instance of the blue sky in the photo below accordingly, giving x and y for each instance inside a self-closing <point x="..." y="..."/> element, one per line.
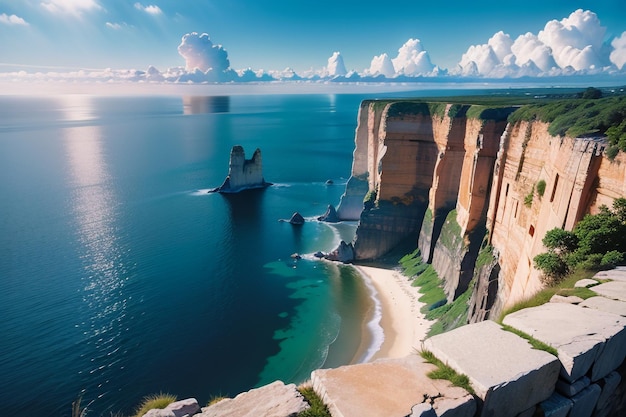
<point x="268" y="35"/>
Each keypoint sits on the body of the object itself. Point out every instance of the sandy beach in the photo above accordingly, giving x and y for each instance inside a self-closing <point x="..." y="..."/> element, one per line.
<point x="404" y="326"/>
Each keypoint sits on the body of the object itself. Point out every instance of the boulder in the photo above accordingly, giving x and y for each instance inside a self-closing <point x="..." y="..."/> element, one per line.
<point x="330" y="216"/>
<point x="296" y="219"/>
<point x="586" y="339"/>
<point x="572" y="299"/>
<point x="505" y="372"/>
<point x="181" y="408"/>
<point x="272" y="400"/>
<point x="584" y="283"/>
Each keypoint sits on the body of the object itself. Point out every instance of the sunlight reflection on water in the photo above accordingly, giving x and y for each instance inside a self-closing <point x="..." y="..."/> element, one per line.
<point x="105" y="273"/>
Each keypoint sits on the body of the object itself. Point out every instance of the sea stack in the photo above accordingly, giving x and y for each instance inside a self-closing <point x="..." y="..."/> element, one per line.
<point x="243" y="174"/>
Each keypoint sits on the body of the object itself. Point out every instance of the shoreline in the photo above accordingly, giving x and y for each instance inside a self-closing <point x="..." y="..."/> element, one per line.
<point x="403" y="326"/>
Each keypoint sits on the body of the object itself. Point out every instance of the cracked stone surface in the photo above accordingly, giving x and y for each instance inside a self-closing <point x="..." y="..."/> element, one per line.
<point x="502" y="367"/>
<point x="615" y="290"/>
<point x="605" y="304"/>
<point x="584" y="338"/>
<point x="584" y="283"/>
<point x="390" y="388"/>
<point x="273" y="400"/>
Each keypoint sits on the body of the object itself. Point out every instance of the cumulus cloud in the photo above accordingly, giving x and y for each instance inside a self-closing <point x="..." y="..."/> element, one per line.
<point x="70" y="7"/>
<point x="381" y="65"/>
<point x="412" y="59"/>
<point x="150" y="9"/>
<point x="575" y="43"/>
<point x="114" y="26"/>
<point x="618" y="55"/>
<point x="335" y="65"/>
<point x="200" y="53"/>
<point x="12" y="20"/>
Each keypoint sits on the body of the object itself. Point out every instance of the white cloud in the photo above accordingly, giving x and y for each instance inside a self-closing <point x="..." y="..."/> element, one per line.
<point x="12" y="20"/>
<point x="114" y="26"/>
<point x="412" y="59"/>
<point x="576" y="41"/>
<point x="335" y="65"/>
<point x="381" y="65"/>
<point x="71" y="7"/>
<point x="573" y="44"/>
<point x="199" y="52"/>
<point x="618" y="55"/>
<point x="150" y="9"/>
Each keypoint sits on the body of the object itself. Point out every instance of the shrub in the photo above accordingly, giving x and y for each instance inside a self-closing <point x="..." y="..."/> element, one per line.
<point x="552" y="265"/>
<point x="611" y="152"/>
<point x="541" y="187"/>
<point x="150" y="402"/>
<point x="443" y="371"/>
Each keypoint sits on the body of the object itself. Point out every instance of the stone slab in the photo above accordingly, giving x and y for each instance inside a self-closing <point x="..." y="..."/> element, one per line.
<point x="605" y="304"/>
<point x="615" y="290"/>
<point x="616" y="274"/>
<point x="390" y="388"/>
<point x="584" y="283"/>
<point x="272" y="400"/>
<point x="506" y="373"/>
<point x="569" y="389"/>
<point x="584" y="338"/>
<point x="555" y="406"/>
<point x="608" y="384"/>
<point x="585" y="402"/>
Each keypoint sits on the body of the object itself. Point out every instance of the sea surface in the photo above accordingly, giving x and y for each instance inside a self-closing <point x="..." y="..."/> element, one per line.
<point x="121" y="276"/>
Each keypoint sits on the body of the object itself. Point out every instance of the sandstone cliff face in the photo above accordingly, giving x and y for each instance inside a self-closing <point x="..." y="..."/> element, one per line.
<point x="459" y="184"/>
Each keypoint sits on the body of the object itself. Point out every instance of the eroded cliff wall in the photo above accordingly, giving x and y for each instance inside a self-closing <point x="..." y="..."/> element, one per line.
<point x="465" y="183"/>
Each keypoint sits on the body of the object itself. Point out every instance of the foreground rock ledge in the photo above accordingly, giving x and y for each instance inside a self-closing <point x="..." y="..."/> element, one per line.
<point x="273" y="400"/>
<point x="506" y="373"/>
<point x="390" y="388"/>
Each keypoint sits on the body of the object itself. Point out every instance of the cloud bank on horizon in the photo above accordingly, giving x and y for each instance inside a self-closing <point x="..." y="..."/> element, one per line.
<point x="576" y="45"/>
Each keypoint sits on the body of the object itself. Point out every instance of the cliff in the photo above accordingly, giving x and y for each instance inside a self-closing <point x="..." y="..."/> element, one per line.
<point x="243" y="174"/>
<point x="460" y="180"/>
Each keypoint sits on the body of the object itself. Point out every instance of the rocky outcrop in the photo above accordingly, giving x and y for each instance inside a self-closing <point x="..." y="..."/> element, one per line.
<point x="243" y="174"/>
<point x="273" y="400"/>
<point x="330" y="216"/>
<point x="188" y="407"/>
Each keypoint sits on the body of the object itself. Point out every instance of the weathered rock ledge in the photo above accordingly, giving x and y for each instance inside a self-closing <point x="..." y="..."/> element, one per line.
<point x="243" y="174"/>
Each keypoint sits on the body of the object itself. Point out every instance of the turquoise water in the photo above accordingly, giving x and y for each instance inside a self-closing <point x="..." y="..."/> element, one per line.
<point x="120" y="276"/>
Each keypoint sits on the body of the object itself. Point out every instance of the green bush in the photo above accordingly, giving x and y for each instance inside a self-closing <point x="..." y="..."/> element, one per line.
<point x="541" y="187"/>
<point x="318" y="408"/>
<point x="552" y="265"/>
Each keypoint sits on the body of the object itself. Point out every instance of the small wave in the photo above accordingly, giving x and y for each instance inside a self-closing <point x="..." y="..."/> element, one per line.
<point x="373" y="326"/>
<point x="204" y="191"/>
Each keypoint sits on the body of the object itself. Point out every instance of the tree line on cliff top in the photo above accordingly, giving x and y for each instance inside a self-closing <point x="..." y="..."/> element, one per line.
<point x="587" y="115"/>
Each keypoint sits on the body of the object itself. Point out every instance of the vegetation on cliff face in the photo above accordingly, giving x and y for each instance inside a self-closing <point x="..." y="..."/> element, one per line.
<point x="597" y="242"/>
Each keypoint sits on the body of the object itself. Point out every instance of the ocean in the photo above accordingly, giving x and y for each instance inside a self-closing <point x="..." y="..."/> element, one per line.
<point x="121" y="276"/>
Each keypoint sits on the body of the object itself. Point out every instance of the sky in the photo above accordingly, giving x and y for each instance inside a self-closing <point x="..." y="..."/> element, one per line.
<point x="67" y="35"/>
